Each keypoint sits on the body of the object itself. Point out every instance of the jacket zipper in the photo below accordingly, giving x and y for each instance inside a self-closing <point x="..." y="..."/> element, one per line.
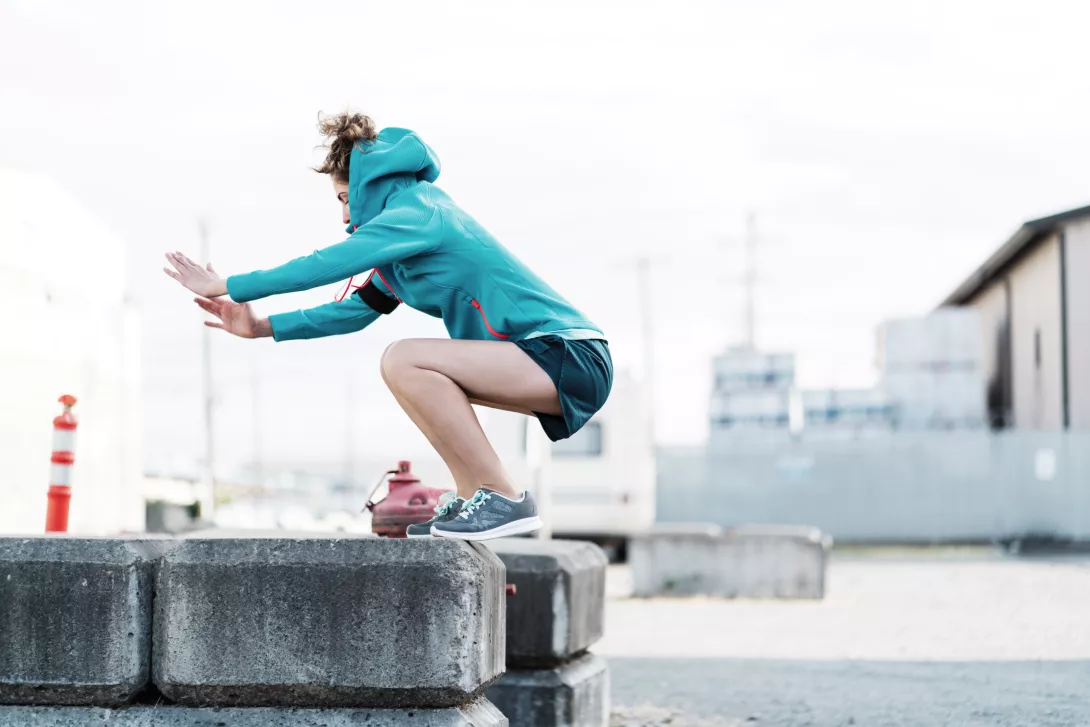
<point x="484" y="318"/>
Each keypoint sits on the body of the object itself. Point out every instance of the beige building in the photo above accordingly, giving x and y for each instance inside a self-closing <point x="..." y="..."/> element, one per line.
<point x="1034" y="299"/>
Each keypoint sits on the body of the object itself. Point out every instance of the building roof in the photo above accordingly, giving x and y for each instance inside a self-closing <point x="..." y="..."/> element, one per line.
<point x="1028" y="235"/>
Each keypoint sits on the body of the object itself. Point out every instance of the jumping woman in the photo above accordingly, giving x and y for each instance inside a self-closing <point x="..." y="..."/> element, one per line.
<point x="515" y="343"/>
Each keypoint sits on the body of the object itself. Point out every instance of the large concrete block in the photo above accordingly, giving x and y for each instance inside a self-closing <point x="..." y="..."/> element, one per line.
<point x="575" y="694"/>
<point x="479" y="713"/>
<point x="558" y="609"/>
<point x="328" y="623"/>
<point x="75" y="619"/>
<point x="746" y="562"/>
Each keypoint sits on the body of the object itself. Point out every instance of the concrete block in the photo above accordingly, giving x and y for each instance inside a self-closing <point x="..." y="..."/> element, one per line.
<point x="479" y="713"/>
<point x="765" y="561"/>
<point x="75" y="618"/>
<point x="575" y="694"/>
<point x="558" y="610"/>
<point x="358" y="622"/>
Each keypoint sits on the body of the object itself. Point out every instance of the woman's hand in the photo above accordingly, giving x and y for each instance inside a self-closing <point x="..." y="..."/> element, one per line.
<point x="236" y="318"/>
<point x="202" y="281"/>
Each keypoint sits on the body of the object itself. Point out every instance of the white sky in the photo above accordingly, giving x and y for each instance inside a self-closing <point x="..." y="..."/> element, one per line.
<point x="887" y="149"/>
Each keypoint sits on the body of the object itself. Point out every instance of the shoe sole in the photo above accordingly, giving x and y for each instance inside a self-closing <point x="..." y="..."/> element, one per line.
<point x="517" y="527"/>
<point x="422" y="535"/>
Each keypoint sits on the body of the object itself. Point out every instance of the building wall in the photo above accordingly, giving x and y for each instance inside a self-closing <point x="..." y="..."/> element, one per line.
<point x="995" y="355"/>
<point x="1035" y="311"/>
<point x="908" y="486"/>
<point x="1078" y="322"/>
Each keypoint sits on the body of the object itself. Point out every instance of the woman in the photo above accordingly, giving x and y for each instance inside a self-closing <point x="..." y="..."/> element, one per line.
<point x="516" y="344"/>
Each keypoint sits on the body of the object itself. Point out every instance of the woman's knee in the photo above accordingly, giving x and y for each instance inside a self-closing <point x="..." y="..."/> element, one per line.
<point x="396" y="360"/>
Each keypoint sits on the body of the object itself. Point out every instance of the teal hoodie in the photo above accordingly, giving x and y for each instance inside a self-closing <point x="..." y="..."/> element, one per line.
<point x="425" y="251"/>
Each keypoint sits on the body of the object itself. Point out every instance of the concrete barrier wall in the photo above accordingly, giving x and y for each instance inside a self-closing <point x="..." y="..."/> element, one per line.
<point x="75" y="619"/>
<point x="368" y="623"/>
<point x="750" y="562"/>
<point x="479" y="713"/>
<point x="556" y="614"/>
<point x="275" y="631"/>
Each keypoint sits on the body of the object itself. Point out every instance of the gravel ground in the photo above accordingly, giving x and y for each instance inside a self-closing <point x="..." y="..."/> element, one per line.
<point x="949" y="637"/>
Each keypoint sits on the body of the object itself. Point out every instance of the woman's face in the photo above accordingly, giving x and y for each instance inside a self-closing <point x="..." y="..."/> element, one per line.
<point x="341" y="189"/>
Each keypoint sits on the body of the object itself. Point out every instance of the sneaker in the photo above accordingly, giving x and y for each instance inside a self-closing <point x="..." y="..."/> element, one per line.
<point x="490" y="515"/>
<point x="449" y="506"/>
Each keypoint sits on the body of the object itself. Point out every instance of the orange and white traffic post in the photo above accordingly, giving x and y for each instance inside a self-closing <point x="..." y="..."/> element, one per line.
<point x="60" y="474"/>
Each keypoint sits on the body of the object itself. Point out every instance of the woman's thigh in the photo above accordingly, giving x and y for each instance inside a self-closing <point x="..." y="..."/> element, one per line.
<point x="498" y="374"/>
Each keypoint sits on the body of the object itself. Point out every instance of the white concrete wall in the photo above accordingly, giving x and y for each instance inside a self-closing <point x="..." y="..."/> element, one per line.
<point x="1078" y="322"/>
<point x="1035" y="306"/>
<point x="68" y="330"/>
<point x="63" y="348"/>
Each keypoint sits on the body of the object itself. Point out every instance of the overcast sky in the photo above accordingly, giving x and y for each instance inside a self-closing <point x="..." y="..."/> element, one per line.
<point x="886" y="147"/>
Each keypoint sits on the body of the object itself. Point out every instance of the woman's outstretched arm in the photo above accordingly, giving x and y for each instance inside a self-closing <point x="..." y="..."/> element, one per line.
<point x="396" y="234"/>
<point x="349" y="315"/>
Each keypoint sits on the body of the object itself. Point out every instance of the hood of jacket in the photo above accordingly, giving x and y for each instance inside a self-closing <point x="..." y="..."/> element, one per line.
<point x="396" y="159"/>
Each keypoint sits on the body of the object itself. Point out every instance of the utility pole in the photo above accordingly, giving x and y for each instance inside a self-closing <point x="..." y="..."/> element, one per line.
<point x="255" y="415"/>
<point x="750" y="281"/>
<point x="206" y="375"/>
<point x="350" y="428"/>
<point x="647" y="331"/>
<point x="645" y="302"/>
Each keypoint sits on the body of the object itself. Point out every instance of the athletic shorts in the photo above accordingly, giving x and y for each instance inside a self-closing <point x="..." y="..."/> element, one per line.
<point x="583" y="374"/>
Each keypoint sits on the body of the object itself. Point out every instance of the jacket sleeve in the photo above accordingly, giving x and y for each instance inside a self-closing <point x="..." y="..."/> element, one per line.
<point x="332" y="319"/>
<point x="391" y="236"/>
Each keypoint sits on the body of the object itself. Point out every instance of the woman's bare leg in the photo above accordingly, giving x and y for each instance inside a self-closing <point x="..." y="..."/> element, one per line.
<point x="463" y="479"/>
<point x="437" y="380"/>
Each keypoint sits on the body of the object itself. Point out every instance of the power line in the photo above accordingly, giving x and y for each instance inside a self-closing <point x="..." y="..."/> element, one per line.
<point x="206" y="376"/>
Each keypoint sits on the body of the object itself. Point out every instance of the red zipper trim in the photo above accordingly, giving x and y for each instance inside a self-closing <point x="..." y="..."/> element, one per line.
<point x="388" y="286"/>
<point x="484" y="318"/>
<point x="349" y="287"/>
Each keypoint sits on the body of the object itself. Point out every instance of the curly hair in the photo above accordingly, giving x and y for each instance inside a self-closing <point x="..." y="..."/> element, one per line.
<point x="343" y="132"/>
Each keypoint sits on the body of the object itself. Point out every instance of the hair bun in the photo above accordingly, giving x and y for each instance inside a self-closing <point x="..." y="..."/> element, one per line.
<point x="342" y="133"/>
<point x="348" y="127"/>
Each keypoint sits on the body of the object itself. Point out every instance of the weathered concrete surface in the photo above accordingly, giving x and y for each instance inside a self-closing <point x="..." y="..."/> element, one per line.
<point x="745" y="562"/>
<point x="479" y="713"/>
<point x="328" y="623"/>
<point x="75" y="618"/>
<point x="573" y="695"/>
<point x="559" y="608"/>
<point x="774" y="693"/>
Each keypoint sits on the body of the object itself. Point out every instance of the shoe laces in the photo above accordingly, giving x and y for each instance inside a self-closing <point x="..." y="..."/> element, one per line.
<point x="446" y="501"/>
<point x="475" y="503"/>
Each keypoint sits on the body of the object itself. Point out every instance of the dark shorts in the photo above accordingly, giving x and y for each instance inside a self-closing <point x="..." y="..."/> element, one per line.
<point x="583" y="374"/>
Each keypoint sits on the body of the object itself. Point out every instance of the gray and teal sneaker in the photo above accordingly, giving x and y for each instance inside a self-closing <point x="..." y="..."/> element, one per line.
<point x="490" y="515"/>
<point x="449" y="506"/>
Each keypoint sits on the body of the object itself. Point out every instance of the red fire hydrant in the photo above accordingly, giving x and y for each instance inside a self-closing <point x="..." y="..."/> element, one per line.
<point x="408" y="502"/>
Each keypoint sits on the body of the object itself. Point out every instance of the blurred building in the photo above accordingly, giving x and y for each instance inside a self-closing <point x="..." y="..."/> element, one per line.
<point x="931" y="377"/>
<point x="751" y="395"/>
<point x="755" y="399"/>
<point x="69" y="329"/>
<point x="1036" y="323"/>
<point x="932" y="371"/>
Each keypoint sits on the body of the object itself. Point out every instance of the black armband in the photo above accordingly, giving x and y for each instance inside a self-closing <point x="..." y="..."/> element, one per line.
<point x="379" y="301"/>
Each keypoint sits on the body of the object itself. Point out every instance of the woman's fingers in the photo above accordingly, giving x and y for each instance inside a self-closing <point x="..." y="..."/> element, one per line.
<point x="180" y="261"/>
<point x="212" y="270"/>
<point x="213" y="324"/>
<point x="211" y="306"/>
<point x="172" y="274"/>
